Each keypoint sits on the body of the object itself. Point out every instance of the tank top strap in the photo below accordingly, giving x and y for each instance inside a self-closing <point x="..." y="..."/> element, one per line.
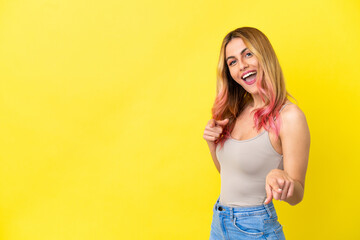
<point x="282" y="108"/>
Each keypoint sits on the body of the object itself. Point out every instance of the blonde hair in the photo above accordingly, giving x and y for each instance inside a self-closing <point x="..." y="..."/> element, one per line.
<point x="232" y="97"/>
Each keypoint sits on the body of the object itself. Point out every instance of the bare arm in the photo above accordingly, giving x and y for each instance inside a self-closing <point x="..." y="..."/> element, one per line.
<point x="295" y="140"/>
<point x="289" y="184"/>
<point x="212" y="149"/>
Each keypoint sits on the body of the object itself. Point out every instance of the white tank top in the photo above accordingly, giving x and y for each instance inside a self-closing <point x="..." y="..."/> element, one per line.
<point x="244" y="166"/>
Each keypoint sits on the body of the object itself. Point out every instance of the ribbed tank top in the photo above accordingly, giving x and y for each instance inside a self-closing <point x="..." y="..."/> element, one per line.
<point x="244" y="166"/>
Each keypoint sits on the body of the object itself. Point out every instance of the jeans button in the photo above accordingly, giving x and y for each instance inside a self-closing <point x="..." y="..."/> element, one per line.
<point x="220" y="208"/>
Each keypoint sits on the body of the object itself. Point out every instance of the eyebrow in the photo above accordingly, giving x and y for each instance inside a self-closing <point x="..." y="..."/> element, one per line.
<point x="234" y="57"/>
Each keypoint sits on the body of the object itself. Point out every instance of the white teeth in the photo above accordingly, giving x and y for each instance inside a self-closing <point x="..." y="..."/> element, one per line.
<point x="248" y="74"/>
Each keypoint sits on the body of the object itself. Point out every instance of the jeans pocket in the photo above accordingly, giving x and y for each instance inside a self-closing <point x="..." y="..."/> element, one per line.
<point x="251" y="226"/>
<point x="273" y="226"/>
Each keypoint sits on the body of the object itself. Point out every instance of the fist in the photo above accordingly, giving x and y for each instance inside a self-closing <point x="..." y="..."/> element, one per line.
<point x="214" y="128"/>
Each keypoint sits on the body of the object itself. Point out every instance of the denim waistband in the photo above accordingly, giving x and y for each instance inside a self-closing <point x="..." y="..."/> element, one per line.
<point x="250" y="211"/>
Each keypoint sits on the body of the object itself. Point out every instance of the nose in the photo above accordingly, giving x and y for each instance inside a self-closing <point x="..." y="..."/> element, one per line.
<point x="243" y="65"/>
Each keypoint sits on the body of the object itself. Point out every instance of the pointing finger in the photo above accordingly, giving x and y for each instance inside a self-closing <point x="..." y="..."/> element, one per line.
<point x="268" y="194"/>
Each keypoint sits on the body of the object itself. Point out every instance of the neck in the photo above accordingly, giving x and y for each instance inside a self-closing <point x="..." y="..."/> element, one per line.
<point x="256" y="101"/>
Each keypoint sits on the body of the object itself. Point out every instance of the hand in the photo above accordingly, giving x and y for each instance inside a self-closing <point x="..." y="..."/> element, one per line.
<point x="214" y="128"/>
<point x="279" y="185"/>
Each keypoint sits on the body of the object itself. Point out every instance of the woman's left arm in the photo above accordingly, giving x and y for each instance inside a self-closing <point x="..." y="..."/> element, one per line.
<point x="288" y="184"/>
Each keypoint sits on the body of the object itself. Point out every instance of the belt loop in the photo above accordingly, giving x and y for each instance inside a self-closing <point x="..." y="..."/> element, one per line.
<point x="231" y="213"/>
<point x="268" y="210"/>
<point x="217" y="204"/>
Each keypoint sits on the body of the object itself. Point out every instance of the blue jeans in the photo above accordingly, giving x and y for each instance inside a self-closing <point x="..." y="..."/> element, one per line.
<point x="255" y="222"/>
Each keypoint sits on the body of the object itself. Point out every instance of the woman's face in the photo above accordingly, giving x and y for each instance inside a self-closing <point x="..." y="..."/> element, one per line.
<point x="243" y="65"/>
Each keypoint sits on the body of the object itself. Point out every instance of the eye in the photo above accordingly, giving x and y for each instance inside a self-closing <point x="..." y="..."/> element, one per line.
<point x="232" y="63"/>
<point x="248" y="54"/>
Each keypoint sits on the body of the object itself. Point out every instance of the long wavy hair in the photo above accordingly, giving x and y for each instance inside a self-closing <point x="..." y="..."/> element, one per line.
<point x="231" y="97"/>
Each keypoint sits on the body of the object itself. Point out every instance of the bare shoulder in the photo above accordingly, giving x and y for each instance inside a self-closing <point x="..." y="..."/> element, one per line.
<point x="292" y="112"/>
<point x="293" y="118"/>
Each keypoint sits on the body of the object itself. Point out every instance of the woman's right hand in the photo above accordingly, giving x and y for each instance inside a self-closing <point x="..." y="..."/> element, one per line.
<point x="214" y="129"/>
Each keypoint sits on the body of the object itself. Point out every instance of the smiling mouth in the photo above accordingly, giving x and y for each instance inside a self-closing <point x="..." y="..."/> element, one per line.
<point x="250" y="78"/>
<point x="248" y="75"/>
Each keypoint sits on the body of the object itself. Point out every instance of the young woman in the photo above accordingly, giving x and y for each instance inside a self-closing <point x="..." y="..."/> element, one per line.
<point x="258" y="139"/>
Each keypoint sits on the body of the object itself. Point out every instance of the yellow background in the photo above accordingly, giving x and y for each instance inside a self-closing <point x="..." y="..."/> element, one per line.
<point x="103" y="106"/>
